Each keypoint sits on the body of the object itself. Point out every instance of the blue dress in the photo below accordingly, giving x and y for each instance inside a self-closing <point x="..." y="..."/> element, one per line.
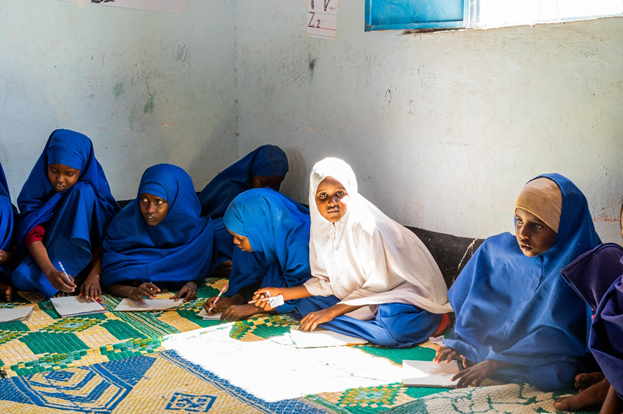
<point x="75" y="219"/>
<point x="8" y="217"/>
<point x="597" y="277"/>
<point x="518" y="309"/>
<point x="278" y="231"/>
<point x="179" y="249"/>
<point x="267" y="160"/>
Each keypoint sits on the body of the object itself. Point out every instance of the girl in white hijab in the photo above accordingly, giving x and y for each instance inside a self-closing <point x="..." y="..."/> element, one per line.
<point x="372" y="277"/>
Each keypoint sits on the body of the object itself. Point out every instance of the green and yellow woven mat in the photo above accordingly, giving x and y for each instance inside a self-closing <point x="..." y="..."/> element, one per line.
<point x="48" y="342"/>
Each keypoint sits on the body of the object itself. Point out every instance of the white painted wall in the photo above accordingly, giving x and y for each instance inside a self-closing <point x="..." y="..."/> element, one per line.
<point x="98" y="69"/>
<point x="442" y="129"/>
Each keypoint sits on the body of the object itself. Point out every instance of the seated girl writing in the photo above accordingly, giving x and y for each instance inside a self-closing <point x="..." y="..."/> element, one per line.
<point x="372" y="277"/>
<point x="159" y="239"/>
<point x="65" y="205"/>
<point x="265" y="167"/>
<point x="272" y="235"/>
<point x="515" y="315"/>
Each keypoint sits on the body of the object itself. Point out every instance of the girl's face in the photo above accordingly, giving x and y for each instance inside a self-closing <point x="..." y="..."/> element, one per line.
<point x="62" y="177"/>
<point x="332" y="199"/>
<point x="269" y="181"/>
<point x="154" y="209"/>
<point x="242" y="242"/>
<point x="533" y="236"/>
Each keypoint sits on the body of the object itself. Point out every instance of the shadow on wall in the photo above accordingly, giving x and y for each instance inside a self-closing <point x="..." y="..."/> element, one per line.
<point x="297" y="174"/>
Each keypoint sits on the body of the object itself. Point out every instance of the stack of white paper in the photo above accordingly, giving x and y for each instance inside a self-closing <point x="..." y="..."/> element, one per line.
<point x="76" y="305"/>
<point x="15" y="314"/>
<point x="429" y="374"/>
<point x="321" y="338"/>
<point x="206" y="317"/>
<point x="131" y="305"/>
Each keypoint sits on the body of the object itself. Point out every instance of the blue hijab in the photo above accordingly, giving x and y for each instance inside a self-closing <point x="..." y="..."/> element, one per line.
<point x="278" y="231"/>
<point x="597" y="278"/>
<point x="179" y="249"/>
<point x="518" y="309"/>
<point x="38" y="200"/>
<point x="267" y="160"/>
<point x="8" y="215"/>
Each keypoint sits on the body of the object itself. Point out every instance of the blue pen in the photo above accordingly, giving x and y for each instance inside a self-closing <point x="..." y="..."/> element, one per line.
<point x="63" y="270"/>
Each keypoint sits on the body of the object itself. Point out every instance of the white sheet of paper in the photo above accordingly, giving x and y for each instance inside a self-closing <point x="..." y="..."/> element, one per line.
<point x="76" y="305"/>
<point x="206" y="317"/>
<point x="321" y="338"/>
<point x="322" y="19"/>
<point x="131" y="305"/>
<point x="15" y="314"/>
<point x="429" y="374"/>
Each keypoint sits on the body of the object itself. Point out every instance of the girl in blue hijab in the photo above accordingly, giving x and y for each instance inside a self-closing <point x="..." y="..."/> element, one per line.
<point x="266" y="167"/>
<point x="271" y="232"/>
<point x="65" y="206"/>
<point x="516" y="318"/>
<point x="159" y="238"/>
<point x="8" y="215"/>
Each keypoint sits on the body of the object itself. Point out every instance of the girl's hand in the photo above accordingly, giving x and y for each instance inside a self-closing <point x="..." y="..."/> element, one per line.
<point x="148" y="290"/>
<point x="478" y="373"/>
<point x="61" y="282"/>
<point x="5" y="257"/>
<point x="448" y="354"/>
<point x="267" y="292"/>
<point x="222" y="304"/>
<point x="188" y="292"/>
<point x="238" y="312"/>
<point x="91" y="288"/>
<point x="313" y="319"/>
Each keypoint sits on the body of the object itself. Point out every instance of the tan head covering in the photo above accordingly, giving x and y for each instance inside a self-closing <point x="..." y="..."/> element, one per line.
<point x="542" y="197"/>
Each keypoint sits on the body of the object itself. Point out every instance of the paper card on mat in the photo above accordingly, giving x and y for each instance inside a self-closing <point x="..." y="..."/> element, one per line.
<point x="131" y="305"/>
<point x="321" y="338"/>
<point x="15" y="314"/>
<point x="206" y="317"/>
<point x="76" y="305"/>
<point x="429" y="374"/>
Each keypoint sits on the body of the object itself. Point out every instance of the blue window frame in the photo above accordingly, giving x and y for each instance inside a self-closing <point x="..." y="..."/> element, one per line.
<point x="416" y="14"/>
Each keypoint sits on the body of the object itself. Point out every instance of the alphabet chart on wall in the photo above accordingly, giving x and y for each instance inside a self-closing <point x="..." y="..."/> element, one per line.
<point x="322" y="19"/>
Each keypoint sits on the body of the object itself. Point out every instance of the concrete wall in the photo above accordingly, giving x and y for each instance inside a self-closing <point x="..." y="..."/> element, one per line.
<point x="442" y="129"/>
<point x="146" y="87"/>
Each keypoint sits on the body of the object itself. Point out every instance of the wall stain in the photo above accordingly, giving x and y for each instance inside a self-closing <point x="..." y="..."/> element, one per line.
<point x="149" y="106"/>
<point x="118" y="89"/>
<point x="131" y="119"/>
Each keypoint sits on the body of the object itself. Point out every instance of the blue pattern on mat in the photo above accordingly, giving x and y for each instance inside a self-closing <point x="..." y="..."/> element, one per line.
<point x="189" y="402"/>
<point x="97" y="388"/>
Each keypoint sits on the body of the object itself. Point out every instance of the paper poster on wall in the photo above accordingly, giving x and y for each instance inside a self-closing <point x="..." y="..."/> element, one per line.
<point x="169" y="6"/>
<point x="322" y="19"/>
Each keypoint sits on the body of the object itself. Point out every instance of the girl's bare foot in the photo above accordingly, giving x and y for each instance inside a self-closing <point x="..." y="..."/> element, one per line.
<point x="6" y="292"/>
<point x="593" y="396"/>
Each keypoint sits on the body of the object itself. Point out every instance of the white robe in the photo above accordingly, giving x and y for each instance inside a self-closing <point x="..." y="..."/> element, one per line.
<point x="367" y="258"/>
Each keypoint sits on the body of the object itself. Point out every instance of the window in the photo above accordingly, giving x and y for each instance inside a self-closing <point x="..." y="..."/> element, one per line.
<point x="416" y="14"/>
<point x="481" y="14"/>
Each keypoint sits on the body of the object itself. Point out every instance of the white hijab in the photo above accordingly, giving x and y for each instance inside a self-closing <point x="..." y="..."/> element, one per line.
<point x="367" y="258"/>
